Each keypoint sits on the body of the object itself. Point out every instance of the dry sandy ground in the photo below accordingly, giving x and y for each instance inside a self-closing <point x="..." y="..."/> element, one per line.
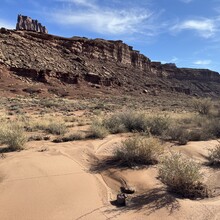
<point x="57" y="184"/>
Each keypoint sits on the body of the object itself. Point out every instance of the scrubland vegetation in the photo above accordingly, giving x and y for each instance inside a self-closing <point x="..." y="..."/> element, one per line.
<point x="149" y="130"/>
<point x="194" y="127"/>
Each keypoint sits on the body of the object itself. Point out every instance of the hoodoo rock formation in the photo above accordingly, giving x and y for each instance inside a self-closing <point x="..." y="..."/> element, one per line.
<point x="27" y="23"/>
<point x="97" y="63"/>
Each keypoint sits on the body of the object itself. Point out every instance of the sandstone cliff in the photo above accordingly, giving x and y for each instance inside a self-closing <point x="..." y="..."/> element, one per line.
<point x="51" y="59"/>
<point x="26" y="23"/>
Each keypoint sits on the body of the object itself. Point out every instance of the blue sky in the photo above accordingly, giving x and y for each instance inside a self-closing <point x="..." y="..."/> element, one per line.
<point x="185" y="32"/>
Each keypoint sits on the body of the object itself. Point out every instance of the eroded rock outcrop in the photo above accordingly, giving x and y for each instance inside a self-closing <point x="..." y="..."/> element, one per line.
<point x="47" y="58"/>
<point x="27" y="23"/>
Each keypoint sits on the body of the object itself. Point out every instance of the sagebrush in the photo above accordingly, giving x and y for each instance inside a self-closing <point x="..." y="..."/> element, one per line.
<point x="182" y="176"/>
<point x="131" y="121"/>
<point x="139" y="150"/>
<point x="202" y="105"/>
<point x="13" y="136"/>
<point x="214" y="155"/>
<point x="97" y="130"/>
<point x="56" y="128"/>
<point x="128" y="121"/>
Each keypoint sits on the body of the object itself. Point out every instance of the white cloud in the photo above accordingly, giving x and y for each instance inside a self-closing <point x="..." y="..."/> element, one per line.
<point x="6" y="24"/>
<point x="202" y="62"/>
<point x="84" y="3"/>
<point x="204" y="27"/>
<point x="172" y="60"/>
<point x="94" y="17"/>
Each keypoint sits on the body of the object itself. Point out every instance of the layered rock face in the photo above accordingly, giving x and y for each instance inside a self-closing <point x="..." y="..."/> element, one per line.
<point x="26" y="23"/>
<point x="48" y="58"/>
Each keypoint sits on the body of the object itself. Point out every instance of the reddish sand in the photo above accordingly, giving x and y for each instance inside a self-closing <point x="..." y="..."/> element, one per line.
<point x="58" y="184"/>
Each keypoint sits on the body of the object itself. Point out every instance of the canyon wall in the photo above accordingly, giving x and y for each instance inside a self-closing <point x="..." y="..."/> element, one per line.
<point x="44" y="58"/>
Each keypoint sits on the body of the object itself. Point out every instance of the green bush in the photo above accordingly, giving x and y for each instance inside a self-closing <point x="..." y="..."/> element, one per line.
<point x="139" y="150"/>
<point x="13" y="136"/>
<point x="182" y="176"/>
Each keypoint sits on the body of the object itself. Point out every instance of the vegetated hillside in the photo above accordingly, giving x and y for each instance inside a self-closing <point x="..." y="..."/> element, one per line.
<point x="34" y="62"/>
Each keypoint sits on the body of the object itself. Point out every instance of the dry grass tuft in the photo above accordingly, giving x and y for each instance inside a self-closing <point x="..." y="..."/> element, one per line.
<point x="12" y="135"/>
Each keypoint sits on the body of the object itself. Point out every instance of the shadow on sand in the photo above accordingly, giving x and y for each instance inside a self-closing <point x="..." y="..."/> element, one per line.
<point x="100" y="165"/>
<point x="150" y="202"/>
<point x="7" y="150"/>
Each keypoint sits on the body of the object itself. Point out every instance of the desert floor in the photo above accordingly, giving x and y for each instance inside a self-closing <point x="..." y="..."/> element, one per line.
<point x="63" y="181"/>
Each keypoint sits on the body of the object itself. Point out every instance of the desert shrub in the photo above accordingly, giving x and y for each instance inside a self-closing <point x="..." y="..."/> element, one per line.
<point x="186" y="120"/>
<point x="197" y="135"/>
<point x="50" y="103"/>
<point x="177" y="133"/>
<point x="158" y="124"/>
<point x="212" y="127"/>
<point x="214" y="155"/>
<point x="75" y="136"/>
<point x="183" y="138"/>
<point x="136" y="122"/>
<point x="182" y="176"/>
<point x="97" y="130"/>
<point x="35" y="138"/>
<point x="199" y="120"/>
<point x="126" y="121"/>
<point x="13" y="136"/>
<point x="82" y="123"/>
<point x="56" y="128"/>
<point x="37" y="125"/>
<point x="203" y="128"/>
<point x="72" y="137"/>
<point x="114" y="124"/>
<point x="139" y="150"/>
<point x="202" y="106"/>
